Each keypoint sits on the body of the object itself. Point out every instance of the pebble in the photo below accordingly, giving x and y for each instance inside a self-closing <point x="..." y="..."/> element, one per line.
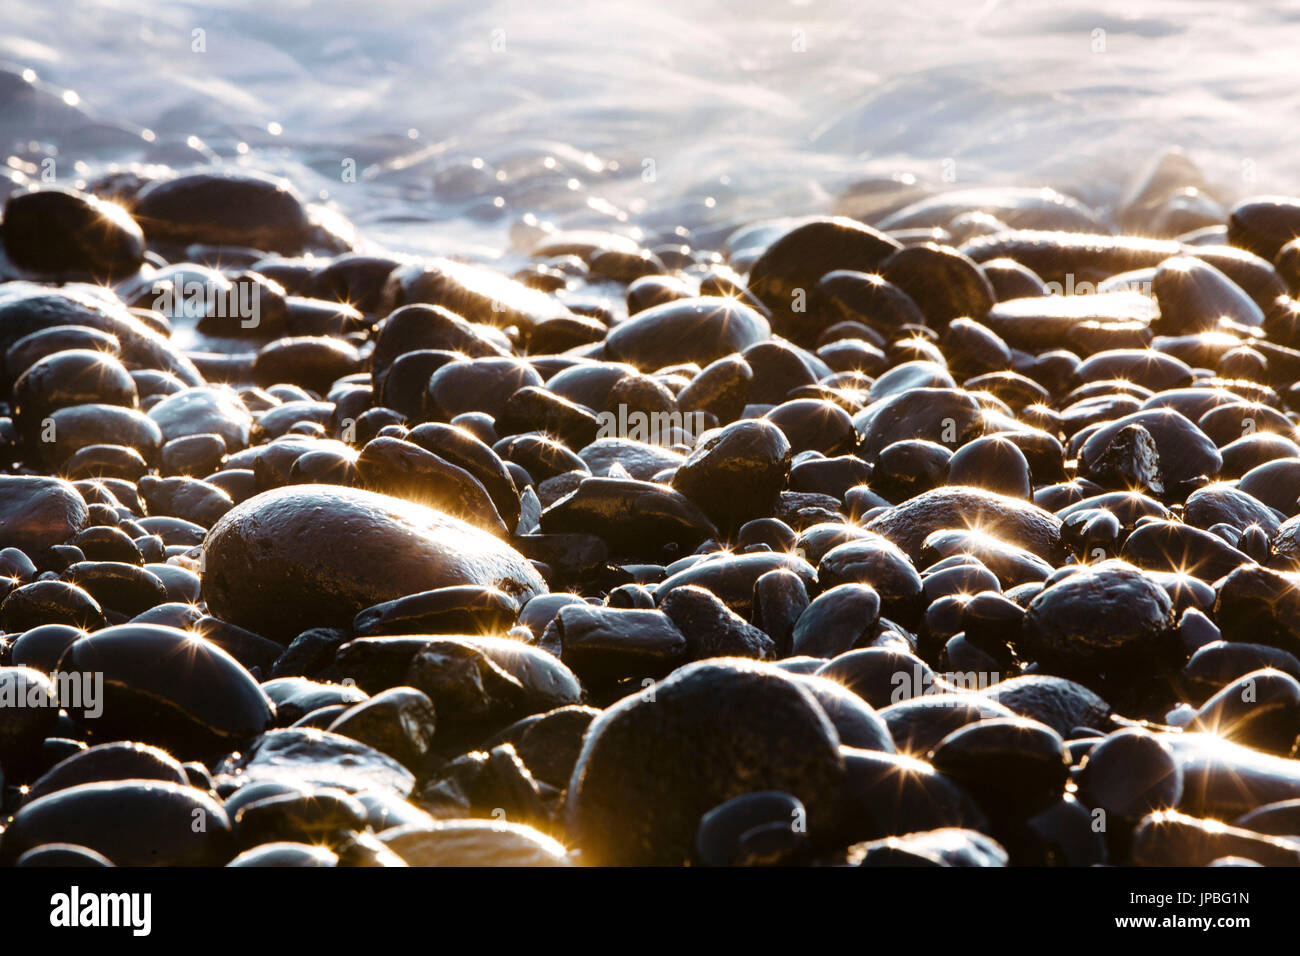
<point x="63" y="235"/>
<point x="918" y="548"/>
<point x="692" y="722"/>
<point x="374" y="549"/>
<point x="215" y="706"/>
<point x="700" y="329"/>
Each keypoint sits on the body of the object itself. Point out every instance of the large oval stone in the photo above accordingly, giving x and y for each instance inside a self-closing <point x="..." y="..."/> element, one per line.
<point x="653" y="764"/>
<point x="167" y="687"/>
<point x="688" y="330"/>
<point x="315" y="555"/>
<point x="1010" y="519"/>
<point x="36" y="513"/>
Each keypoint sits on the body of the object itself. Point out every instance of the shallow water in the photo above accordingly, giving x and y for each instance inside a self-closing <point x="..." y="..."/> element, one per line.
<point x="703" y="113"/>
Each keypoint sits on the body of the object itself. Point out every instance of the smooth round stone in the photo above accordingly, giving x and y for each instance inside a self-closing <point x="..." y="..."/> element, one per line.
<point x="323" y="814"/>
<point x="942" y="415"/>
<point x="1061" y="704"/>
<point x="127" y="588"/>
<point x="27" y="308"/>
<point x="295" y="697"/>
<point x="49" y="602"/>
<point x="1260" y="709"/>
<point x="61" y="234"/>
<point x="402" y="469"/>
<point x="698" y="330"/>
<point x="904" y="469"/>
<point x="192" y="455"/>
<point x="1011" y="519"/>
<point x="1217" y="663"/>
<point x="1279" y="819"/>
<point x="30" y="349"/>
<point x="1170" y="838"/>
<point x="893" y="794"/>
<point x="1071" y="257"/>
<point x="635" y="518"/>
<point x="755" y="829"/>
<point x="1193" y="295"/>
<point x="72" y="377"/>
<point x="1275" y="483"/>
<point x="286" y="853"/>
<point x="1221" y="503"/>
<point x="814" y="425"/>
<point x="210" y="706"/>
<point x="28" y="714"/>
<point x="1261" y="606"/>
<point x="467" y="609"/>
<point x="654" y="764"/>
<point x="867" y="298"/>
<point x="944" y="283"/>
<point x="738" y="472"/>
<point x="905" y="376"/>
<point x="315" y="555"/>
<point x="130" y="822"/>
<point x="224" y="207"/>
<point x="312" y="361"/>
<point x="459" y="447"/>
<point x="1012" y="766"/>
<point x="1264" y="224"/>
<point x="918" y="723"/>
<point x="1247" y="453"/>
<point x="112" y="761"/>
<point x="880" y="675"/>
<point x="74" y="427"/>
<point x="839" y="619"/>
<point x="1017" y="207"/>
<point x="791" y="267"/>
<point x="993" y="462"/>
<point x="880" y="564"/>
<point x="37" y="513"/>
<point x="1011" y="565"/>
<point x="1100" y="618"/>
<point x="855" y="721"/>
<point x="482" y="384"/>
<point x="1171" y="546"/>
<point x="42" y="646"/>
<point x="733" y="578"/>
<point x="474" y="843"/>
<point x="202" y="411"/>
<point x="1145" y="367"/>
<point x="1038" y="323"/>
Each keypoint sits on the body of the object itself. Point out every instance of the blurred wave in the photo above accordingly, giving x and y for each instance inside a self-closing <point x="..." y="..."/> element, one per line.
<point x="460" y="116"/>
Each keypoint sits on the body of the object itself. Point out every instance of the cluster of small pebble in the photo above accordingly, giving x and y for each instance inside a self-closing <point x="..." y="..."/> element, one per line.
<point x="844" y="544"/>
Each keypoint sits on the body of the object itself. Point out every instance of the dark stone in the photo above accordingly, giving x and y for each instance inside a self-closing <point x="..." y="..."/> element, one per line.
<point x="212" y="706"/>
<point x="224" y="207"/>
<point x="1101" y="618"/>
<point x="656" y="762"/>
<point x="698" y="330"/>
<point x="37" y="513"/>
<point x="272" y="565"/>
<point x="786" y="275"/>
<point x="737" y="473"/>
<point x="56" y="234"/>
<point x="131" y="823"/>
